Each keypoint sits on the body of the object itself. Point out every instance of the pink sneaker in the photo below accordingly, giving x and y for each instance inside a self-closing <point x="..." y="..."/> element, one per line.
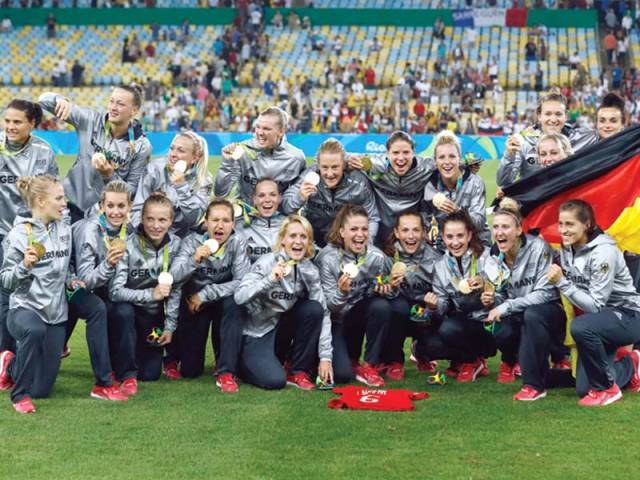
<point x="25" y="406"/>
<point x="601" y="398"/>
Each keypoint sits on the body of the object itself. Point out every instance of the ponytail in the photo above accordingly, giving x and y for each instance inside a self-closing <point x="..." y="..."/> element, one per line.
<point x="32" y="187"/>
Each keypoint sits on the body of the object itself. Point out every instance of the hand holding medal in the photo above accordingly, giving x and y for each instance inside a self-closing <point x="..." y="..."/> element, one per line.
<point x="163" y="289"/>
<point x="178" y="171"/>
<point x="309" y="185"/>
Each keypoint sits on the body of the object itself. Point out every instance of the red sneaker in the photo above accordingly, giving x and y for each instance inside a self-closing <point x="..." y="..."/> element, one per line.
<point x="25" y="406"/>
<point x="634" y="384"/>
<point x="469" y="371"/>
<point x="170" y="370"/>
<point x="108" y="393"/>
<point x="423" y="365"/>
<point x="394" y="371"/>
<point x="66" y="351"/>
<point x="564" y="364"/>
<point x="368" y="375"/>
<point x="129" y="387"/>
<point x="529" y="394"/>
<point x="8" y="385"/>
<point x="517" y="371"/>
<point x="485" y="367"/>
<point x="5" y="360"/>
<point x="300" y="380"/>
<point x="452" y="371"/>
<point x="601" y="398"/>
<point x="507" y="373"/>
<point x="621" y="353"/>
<point x="227" y="383"/>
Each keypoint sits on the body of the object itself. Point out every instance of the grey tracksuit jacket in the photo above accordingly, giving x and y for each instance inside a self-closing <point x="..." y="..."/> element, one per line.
<point x="525" y="162"/>
<point x="215" y="278"/>
<point x="395" y="194"/>
<point x="597" y="277"/>
<point x="525" y="284"/>
<point x="133" y="283"/>
<point x="189" y="203"/>
<point x="40" y="289"/>
<point x="90" y="252"/>
<point x="331" y="259"/>
<point x="283" y="164"/>
<point x="83" y="184"/>
<point x="470" y="197"/>
<point x="321" y="208"/>
<point x="447" y="274"/>
<point x="420" y="269"/>
<point x="260" y="235"/>
<point x="265" y="299"/>
<point x="36" y="158"/>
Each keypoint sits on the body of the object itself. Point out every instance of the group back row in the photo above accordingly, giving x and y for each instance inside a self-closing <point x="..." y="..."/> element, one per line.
<point x="294" y="269"/>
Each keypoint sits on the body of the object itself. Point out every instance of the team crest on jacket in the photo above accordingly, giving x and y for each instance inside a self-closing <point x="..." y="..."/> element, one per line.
<point x="604" y="268"/>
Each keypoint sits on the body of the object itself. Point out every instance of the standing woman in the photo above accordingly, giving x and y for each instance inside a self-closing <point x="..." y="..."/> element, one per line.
<point x="210" y="267"/>
<point x="322" y="189"/>
<point x="596" y="280"/>
<point x="455" y="298"/>
<point x="36" y="270"/>
<point x="412" y="272"/>
<point x="267" y="154"/>
<point x="287" y="320"/>
<point x="398" y="179"/>
<point x="259" y="225"/>
<point x="520" y="297"/>
<point x="146" y="298"/>
<point x="349" y="267"/>
<point x="99" y="243"/>
<point x="184" y="178"/>
<point x="21" y="154"/>
<point x="451" y="188"/>
<point x="112" y="146"/>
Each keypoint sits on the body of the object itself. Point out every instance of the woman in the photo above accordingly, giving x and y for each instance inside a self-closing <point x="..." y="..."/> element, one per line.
<point x="259" y="225"/>
<point x="210" y="266"/>
<point x="413" y="262"/>
<point x="520" y="159"/>
<point x="321" y="190"/>
<point x="287" y="321"/>
<point x="268" y="154"/>
<point x="184" y="177"/>
<point x="595" y="279"/>
<point x="350" y="269"/>
<point x="451" y="188"/>
<point x="36" y="269"/>
<point x="520" y="297"/>
<point x="99" y="243"/>
<point x="21" y="154"/>
<point x="398" y="180"/>
<point x="552" y="148"/>
<point x="455" y="299"/>
<point x="146" y="297"/>
<point x="112" y="145"/>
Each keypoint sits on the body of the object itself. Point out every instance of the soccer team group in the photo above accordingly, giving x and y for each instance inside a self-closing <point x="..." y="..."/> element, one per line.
<point x="293" y="271"/>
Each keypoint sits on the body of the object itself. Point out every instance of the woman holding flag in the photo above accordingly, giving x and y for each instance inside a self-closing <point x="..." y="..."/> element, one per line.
<point x="146" y="298"/>
<point x="596" y="281"/>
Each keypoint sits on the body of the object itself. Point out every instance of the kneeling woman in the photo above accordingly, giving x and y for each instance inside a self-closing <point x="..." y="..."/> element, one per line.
<point x="147" y="301"/>
<point x="527" y="307"/>
<point x="597" y="282"/>
<point x="455" y="299"/>
<point x="99" y="242"/>
<point x="412" y="271"/>
<point x="349" y="267"/>
<point x="259" y="226"/>
<point x="287" y="318"/>
<point x="210" y="267"/>
<point x="35" y="268"/>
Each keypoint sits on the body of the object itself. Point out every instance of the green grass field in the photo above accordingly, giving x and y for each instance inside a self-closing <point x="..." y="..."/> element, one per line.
<point x="188" y="429"/>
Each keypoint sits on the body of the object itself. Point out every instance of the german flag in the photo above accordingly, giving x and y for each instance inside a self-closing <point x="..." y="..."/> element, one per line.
<point x="607" y="175"/>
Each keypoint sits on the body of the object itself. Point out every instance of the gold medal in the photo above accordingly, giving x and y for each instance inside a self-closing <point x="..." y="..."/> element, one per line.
<point x="212" y="245"/>
<point x="439" y="199"/>
<point x="366" y="163"/>
<point x="398" y="269"/>
<point x="40" y="250"/>
<point x="165" y="278"/>
<point x="118" y="243"/>
<point x="237" y="153"/>
<point x="489" y="287"/>
<point x="464" y="287"/>
<point x="351" y="270"/>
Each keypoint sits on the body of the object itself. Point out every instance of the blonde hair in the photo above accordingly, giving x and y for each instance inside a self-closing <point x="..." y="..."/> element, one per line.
<point x="201" y="152"/>
<point x="157" y="198"/>
<point x="32" y="187"/>
<point x="447" y="137"/>
<point x="116" y="186"/>
<point x="331" y="146"/>
<point x="281" y="115"/>
<point x="562" y="142"/>
<point x="291" y="219"/>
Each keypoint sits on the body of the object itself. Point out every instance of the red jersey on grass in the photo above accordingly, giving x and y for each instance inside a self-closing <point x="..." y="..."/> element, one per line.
<point x="362" y="398"/>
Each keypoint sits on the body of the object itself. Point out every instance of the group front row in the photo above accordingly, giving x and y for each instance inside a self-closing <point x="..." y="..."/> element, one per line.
<point x="149" y="300"/>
